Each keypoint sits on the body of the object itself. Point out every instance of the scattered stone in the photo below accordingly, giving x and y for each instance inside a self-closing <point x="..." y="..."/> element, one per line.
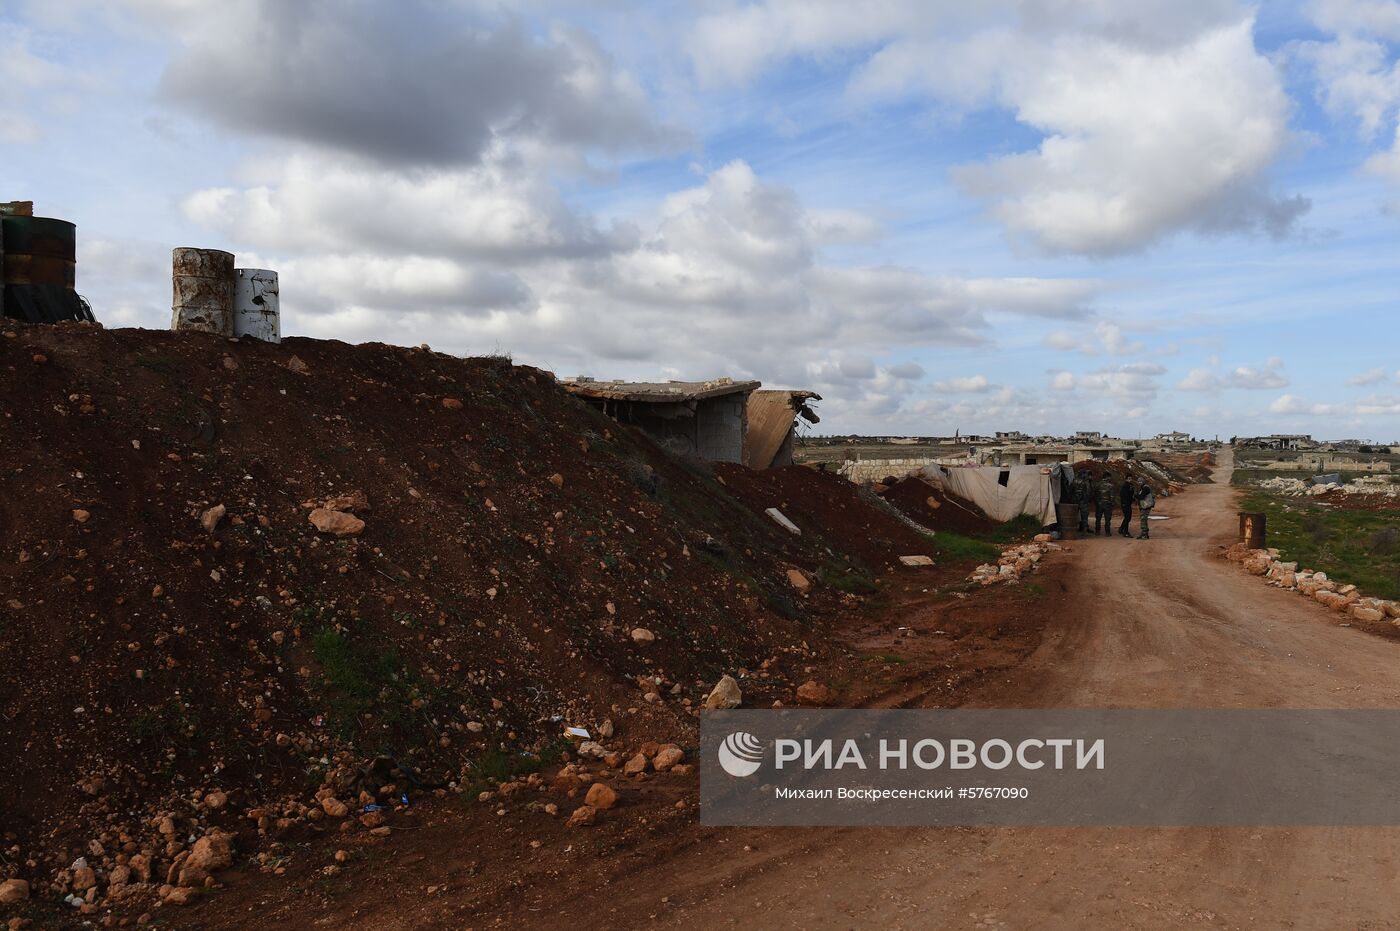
<point x="798" y="580"/>
<point x="452" y="404"/>
<point x="642" y="635"/>
<point x="13" y="891"/>
<point x="298" y="366"/>
<point x="813" y="693"/>
<point x="215" y="800"/>
<point x="81" y="516"/>
<point x="209" y="520"/>
<point x="337" y="523"/>
<point x="334" y="807"/>
<point x="557" y="480"/>
<point x="636" y="766"/>
<point x="667" y="757"/>
<point x="583" y="816"/>
<point x="916" y="560"/>
<point x="600" y="796"/>
<point x="725" y="694"/>
<point x="213" y="851"/>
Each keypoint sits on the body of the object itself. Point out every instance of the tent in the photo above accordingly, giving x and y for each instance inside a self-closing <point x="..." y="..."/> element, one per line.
<point x="1004" y="492"/>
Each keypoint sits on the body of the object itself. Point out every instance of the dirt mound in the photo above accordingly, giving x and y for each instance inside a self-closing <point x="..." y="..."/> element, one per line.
<point x="829" y="505"/>
<point x="174" y="623"/>
<point x="1192" y="469"/>
<point x="937" y="508"/>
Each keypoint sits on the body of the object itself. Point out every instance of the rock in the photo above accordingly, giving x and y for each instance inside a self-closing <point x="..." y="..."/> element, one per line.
<point x="181" y="895"/>
<point x="813" y="693"/>
<point x="83" y="878"/>
<point x="636" y="766"/>
<point x="591" y="748"/>
<point x="600" y="796"/>
<point x="667" y="757"/>
<point x="354" y="501"/>
<point x="81" y="516"/>
<point x="372" y="819"/>
<point x="298" y="366"/>
<point x="1043" y="538"/>
<point x="213" y="851"/>
<point x="557" y="480"/>
<point x="13" y="891"/>
<point x="209" y="520"/>
<point x="798" y="580"/>
<point x="334" y="807"/>
<point x="642" y="635"/>
<point x="140" y="867"/>
<point x="215" y="800"/>
<point x="725" y="694"/>
<point x="583" y="816"/>
<point x="1366" y="614"/>
<point x="451" y="404"/>
<point x="336" y="522"/>
<point x="916" y="560"/>
<point x="606" y="730"/>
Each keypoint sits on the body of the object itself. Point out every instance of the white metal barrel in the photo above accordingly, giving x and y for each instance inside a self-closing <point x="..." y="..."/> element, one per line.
<point x="202" y="284"/>
<point x="255" y="305"/>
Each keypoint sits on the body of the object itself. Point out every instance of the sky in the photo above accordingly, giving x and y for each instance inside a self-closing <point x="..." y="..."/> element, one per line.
<point x="1133" y="216"/>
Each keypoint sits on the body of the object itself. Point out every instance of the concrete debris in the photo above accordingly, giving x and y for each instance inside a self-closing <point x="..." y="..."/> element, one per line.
<point x="1015" y="562"/>
<point x="782" y="521"/>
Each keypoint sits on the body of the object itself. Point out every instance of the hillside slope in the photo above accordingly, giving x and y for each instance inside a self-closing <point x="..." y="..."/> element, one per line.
<point x="514" y="542"/>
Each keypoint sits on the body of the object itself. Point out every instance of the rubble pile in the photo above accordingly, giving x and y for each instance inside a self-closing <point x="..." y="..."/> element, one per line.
<point x="1342" y="598"/>
<point x="1366" y="486"/>
<point x="250" y="592"/>
<point x="1016" y="561"/>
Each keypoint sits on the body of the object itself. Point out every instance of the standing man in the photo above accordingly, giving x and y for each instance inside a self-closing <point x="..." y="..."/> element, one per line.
<point x="1081" y="493"/>
<point x="1103" y="514"/>
<point x="1146" y="502"/>
<point x="1126" y="495"/>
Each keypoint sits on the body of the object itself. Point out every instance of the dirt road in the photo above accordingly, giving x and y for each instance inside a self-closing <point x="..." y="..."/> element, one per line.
<point x="1159" y="623"/>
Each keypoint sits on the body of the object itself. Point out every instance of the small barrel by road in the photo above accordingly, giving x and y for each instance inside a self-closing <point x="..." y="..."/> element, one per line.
<point x="202" y="287"/>
<point x="1252" y="529"/>
<point x="255" y="305"/>
<point x="1068" y="516"/>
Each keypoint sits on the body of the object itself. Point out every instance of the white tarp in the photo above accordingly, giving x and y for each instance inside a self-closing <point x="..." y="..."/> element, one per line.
<point x="1002" y="492"/>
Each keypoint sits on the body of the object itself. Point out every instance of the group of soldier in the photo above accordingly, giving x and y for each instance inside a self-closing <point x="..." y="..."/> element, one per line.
<point x="1101" y="494"/>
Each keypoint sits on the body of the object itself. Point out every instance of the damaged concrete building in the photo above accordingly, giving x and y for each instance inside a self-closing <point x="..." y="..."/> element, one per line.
<point x="772" y="425"/>
<point x="708" y="419"/>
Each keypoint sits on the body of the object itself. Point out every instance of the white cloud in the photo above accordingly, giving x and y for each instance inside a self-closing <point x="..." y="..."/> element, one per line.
<point x="1293" y="405"/>
<point x="711" y="282"/>
<point x="972" y="384"/>
<point x="1372" y="377"/>
<point x="1107" y="339"/>
<point x="1378" y="406"/>
<point x="1243" y="377"/>
<point x="1157" y="117"/>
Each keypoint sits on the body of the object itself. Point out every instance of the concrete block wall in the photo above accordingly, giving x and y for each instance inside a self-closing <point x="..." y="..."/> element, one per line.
<point x="872" y="470"/>
<point x="720" y="425"/>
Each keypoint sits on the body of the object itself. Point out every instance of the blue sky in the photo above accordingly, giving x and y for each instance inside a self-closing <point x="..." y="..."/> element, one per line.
<point x="1066" y="214"/>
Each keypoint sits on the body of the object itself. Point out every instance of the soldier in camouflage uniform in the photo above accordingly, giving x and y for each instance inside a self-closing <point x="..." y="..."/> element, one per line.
<point x="1081" y="493"/>
<point x="1146" y="502"/>
<point x="1103" y="512"/>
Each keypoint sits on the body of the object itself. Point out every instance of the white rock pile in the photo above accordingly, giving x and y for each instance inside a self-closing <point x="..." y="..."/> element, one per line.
<point x="1344" y="599"/>
<point x="1297" y="488"/>
<point x="1015" y="562"/>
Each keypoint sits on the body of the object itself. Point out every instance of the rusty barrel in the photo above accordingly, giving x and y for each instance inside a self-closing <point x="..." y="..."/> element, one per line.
<point x="202" y="284"/>
<point x="1068" y="516"/>
<point x="39" y="268"/>
<point x="1252" y="529"/>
